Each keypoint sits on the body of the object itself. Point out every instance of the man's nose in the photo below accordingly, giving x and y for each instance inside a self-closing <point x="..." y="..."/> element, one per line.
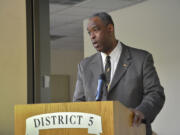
<point x="92" y="35"/>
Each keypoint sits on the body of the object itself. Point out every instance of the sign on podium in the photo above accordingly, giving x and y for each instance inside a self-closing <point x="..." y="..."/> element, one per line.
<point x="75" y="118"/>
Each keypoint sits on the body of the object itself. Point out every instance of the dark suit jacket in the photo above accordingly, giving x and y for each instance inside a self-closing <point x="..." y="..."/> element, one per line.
<point x="135" y="83"/>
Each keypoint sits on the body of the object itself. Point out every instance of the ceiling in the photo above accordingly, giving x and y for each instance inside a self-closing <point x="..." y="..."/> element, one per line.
<point x="66" y="19"/>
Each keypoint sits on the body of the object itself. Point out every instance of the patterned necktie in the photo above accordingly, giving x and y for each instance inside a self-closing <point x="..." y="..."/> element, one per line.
<point x="108" y="72"/>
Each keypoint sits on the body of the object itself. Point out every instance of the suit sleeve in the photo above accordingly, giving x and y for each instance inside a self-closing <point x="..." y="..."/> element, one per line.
<point x="79" y="89"/>
<point x="153" y="94"/>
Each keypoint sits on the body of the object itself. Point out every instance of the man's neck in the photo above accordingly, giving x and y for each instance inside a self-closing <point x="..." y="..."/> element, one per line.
<point x="114" y="44"/>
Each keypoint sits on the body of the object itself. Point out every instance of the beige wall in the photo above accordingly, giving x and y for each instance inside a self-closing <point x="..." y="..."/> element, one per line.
<point x="13" y="82"/>
<point x="64" y="62"/>
<point x="154" y="25"/>
<point x="59" y="86"/>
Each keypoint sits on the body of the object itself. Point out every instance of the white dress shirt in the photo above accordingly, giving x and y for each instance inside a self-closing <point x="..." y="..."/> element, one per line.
<point x="115" y="56"/>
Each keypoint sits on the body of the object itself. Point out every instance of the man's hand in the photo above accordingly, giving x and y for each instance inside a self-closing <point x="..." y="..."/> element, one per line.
<point x="137" y="117"/>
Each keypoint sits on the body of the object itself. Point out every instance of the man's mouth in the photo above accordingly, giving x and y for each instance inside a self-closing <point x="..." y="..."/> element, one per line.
<point x="95" y="43"/>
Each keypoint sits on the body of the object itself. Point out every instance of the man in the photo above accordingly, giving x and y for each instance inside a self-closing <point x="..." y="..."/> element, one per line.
<point x="130" y="74"/>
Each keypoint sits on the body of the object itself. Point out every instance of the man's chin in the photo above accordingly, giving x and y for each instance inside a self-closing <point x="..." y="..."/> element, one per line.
<point x="98" y="49"/>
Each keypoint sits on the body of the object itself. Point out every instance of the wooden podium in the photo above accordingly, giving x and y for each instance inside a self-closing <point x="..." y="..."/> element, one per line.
<point x="116" y="118"/>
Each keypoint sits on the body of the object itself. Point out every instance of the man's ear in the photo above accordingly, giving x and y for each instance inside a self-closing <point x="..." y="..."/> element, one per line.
<point x="110" y="28"/>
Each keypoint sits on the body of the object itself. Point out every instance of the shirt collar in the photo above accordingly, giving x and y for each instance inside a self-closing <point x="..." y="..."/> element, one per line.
<point x="114" y="54"/>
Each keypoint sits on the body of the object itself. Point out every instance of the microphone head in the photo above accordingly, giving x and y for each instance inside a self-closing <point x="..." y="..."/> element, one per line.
<point x="102" y="77"/>
<point x="101" y="81"/>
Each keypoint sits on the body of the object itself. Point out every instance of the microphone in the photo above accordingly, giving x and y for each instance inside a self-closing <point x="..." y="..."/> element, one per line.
<point x="100" y="87"/>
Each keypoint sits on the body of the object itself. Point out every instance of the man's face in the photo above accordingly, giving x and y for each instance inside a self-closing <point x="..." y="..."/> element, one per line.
<point x="99" y="34"/>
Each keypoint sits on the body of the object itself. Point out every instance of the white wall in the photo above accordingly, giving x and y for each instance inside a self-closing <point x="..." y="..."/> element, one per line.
<point x="154" y="25"/>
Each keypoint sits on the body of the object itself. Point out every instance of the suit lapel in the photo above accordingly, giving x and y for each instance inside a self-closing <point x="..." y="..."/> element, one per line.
<point x="96" y="65"/>
<point x="122" y="66"/>
<point x="96" y="68"/>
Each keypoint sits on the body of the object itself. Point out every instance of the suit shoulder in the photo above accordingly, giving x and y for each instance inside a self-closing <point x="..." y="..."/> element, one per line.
<point x="138" y="53"/>
<point x="86" y="61"/>
<point x="138" y="56"/>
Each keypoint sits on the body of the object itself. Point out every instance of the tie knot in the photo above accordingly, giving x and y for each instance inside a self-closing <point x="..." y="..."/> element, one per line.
<point x="108" y="59"/>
